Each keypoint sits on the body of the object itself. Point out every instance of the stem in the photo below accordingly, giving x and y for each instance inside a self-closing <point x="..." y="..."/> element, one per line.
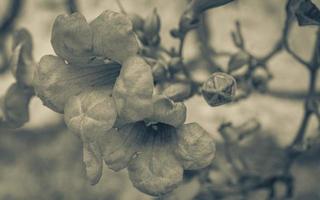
<point x="121" y="7"/>
<point x="72" y="6"/>
<point x="11" y="16"/>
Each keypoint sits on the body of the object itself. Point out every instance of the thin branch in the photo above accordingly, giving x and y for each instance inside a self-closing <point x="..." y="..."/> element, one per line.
<point x="11" y="16"/>
<point x="72" y="6"/>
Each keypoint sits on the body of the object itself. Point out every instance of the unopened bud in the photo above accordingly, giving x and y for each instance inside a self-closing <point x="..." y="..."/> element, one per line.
<point x="219" y="89"/>
<point x="238" y="60"/>
<point x="137" y="21"/>
<point x="152" y="27"/>
<point x="260" y="79"/>
<point x="177" y="91"/>
<point x="189" y="20"/>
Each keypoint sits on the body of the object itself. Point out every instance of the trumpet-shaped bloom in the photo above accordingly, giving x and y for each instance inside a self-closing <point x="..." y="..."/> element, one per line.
<point x="105" y="91"/>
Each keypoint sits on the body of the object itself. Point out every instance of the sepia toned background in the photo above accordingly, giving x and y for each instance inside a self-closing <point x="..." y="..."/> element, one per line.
<point x="42" y="160"/>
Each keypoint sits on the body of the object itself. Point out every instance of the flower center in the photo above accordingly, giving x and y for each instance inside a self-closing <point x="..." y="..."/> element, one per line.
<point x="105" y="72"/>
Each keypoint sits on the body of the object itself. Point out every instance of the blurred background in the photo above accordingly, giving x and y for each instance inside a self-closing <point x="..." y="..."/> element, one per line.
<point x="42" y="160"/>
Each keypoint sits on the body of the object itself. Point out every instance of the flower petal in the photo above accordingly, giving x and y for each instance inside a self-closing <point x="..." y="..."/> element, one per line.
<point x="24" y="38"/>
<point x="21" y="63"/>
<point x="72" y="38"/>
<point x="133" y="90"/>
<point x="55" y="81"/>
<point x="22" y="66"/>
<point x="91" y="113"/>
<point x="195" y="148"/>
<point x="167" y="111"/>
<point x="155" y="170"/>
<point x="93" y="162"/>
<point x="16" y="106"/>
<point x="119" y="145"/>
<point x="113" y="36"/>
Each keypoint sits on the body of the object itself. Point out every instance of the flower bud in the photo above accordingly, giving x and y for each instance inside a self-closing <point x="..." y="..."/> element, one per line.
<point x="189" y="20"/>
<point x="308" y="14"/>
<point x="219" y="89"/>
<point x="16" y="105"/>
<point x="238" y="60"/>
<point x="137" y="21"/>
<point x="260" y="79"/>
<point x="21" y="62"/>
<point x="159" y="71"/>
<point x="177" y="91"/>
<point x="200" y="6"/>
<point x="23" y="37"/>
<point x="151" y="27"/>
<point x="175" y="64"/>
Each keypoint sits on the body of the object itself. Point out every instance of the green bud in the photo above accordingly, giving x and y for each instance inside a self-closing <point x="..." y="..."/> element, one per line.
<point x="219" y="89"/>
<point x="308" y="14"/>
<point x="260" y="79"/>
<point x="137" y="21"/>
<point x="151" y="27"/>
<point x="238" y="60"/>
<point x="177" y="91"/>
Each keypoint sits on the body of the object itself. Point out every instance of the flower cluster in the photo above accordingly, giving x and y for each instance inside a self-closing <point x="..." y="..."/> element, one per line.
<point x="106" y="92"/>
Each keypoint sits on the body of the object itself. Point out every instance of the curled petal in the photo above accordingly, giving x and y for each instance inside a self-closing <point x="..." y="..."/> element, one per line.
<point x="113" y="36"/>
<point x="21" y="63"/>
<point x="195" y="148"/>
<point x="167" y="111"/>
<point x="16" y="106"/>
<point x="133" y="90"/>
<point x="119" y="145"/>
<point x="93" y="162"/>
<point x="155" y="170"/>
<point x="22" y="66"/>
<point x="91" y="113"/>
<point x="23" y="37"/>
<point x="55" y="81"/>
<point x="72" y="38"/>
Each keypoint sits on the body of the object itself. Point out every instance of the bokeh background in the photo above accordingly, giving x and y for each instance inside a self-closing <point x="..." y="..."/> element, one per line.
<point x="42" y="160"/>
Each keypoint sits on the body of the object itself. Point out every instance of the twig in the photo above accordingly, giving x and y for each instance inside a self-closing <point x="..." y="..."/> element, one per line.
<point x="11" y="16"/>
<point x="72" y="6"/>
